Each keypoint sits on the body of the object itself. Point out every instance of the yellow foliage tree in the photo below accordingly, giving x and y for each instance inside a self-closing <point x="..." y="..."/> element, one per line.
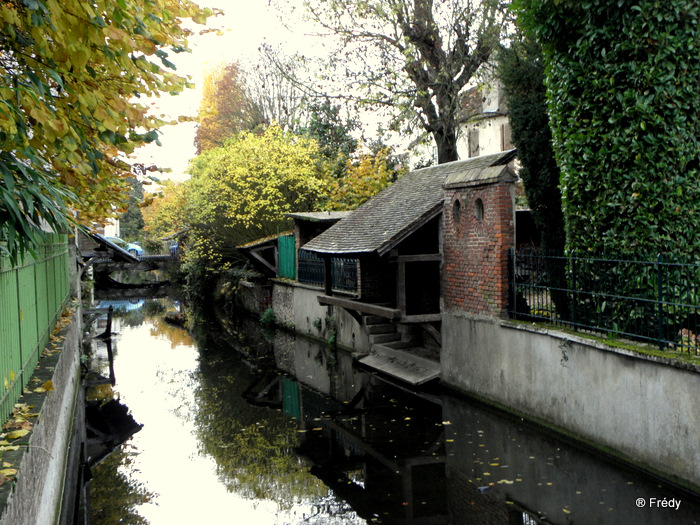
<point x="165" y="213"/>
<point x="225" y="108"/>
<point x="71" y="74"/>
<point x="241" y="191"/>
<point x="364" y="179"/>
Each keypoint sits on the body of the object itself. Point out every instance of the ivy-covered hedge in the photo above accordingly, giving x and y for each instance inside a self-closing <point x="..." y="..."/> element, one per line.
<point x="623" y="83"/>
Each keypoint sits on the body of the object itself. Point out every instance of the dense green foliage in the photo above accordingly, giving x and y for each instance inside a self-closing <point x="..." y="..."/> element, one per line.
<point x="71" y="73"/>
<point x="333" y="134"/>
<point x="521" y="70"/>
<point x="624" y="108"/>
<point x="241" y="191"/>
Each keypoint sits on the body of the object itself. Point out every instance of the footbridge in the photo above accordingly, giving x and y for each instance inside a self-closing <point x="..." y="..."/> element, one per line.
<point x="106" y="258"/>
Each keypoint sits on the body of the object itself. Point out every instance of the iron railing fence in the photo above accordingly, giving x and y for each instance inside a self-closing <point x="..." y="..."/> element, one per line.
<point x="33" y="294"/>
<point x="343" y="271"/>
<point x="655" y="301"/>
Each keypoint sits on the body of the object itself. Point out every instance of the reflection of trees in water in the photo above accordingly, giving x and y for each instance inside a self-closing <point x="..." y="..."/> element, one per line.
<point x="114" y="493"/>
<point x="253" y="447"/>
<point x="161" y="329"/>
<point x="137" y="315"/>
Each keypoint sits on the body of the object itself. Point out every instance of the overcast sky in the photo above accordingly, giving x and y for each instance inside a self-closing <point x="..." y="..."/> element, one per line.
<point x="246" y="25"/>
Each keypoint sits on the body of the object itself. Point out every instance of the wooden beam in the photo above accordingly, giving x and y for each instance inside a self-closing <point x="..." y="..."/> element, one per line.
<point x="358" y="306"/>
<point x="401" y="284"/>
<point x="423" y="257"/>
<point x="259" y="258"/>
<point x="433" y="331"/>
<point x="421" y="318"/>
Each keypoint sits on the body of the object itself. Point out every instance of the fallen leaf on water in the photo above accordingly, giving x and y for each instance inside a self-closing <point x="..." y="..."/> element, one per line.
<point x="17" y="434"/>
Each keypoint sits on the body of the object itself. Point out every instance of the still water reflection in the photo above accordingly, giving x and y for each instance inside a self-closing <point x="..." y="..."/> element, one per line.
<point x="245" y="427"/>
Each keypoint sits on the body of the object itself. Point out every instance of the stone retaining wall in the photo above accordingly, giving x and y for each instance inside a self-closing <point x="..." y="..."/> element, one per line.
<point x="641" y="408"/>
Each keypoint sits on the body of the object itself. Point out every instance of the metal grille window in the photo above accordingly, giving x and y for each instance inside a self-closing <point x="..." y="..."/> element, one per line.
<point x="343" y="271"/>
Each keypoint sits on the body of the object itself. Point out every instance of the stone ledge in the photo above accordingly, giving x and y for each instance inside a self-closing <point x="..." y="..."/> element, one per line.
<point x="35" y="495"/>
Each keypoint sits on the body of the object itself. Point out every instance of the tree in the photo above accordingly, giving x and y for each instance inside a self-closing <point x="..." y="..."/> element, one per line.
<point x="521" y="71"/>
<point x="275" y="94"/>
<point x="69" y="75"/>
<point x="415" y="56"/>
<point x="165" y="215"/>
<point x="333" y="134"/>
<point x="225" y="108"/>
<point x="131" y="221"/>
<point x="241" y="191"/>
<point x="624" y="105"/>
<point x="363" y="179"/>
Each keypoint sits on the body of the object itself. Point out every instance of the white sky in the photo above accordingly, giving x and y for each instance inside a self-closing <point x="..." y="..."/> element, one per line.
<point x="247" y="24"/>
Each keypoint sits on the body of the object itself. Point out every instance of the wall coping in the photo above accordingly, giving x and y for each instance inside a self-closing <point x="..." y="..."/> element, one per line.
<point x="590" y="341"/>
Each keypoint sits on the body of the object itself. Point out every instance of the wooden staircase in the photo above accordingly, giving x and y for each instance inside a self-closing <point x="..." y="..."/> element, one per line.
<point x="380" y="330"/>
<point x="392" y="355"/>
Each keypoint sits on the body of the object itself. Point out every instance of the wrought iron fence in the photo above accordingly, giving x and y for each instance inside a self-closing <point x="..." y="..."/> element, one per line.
<point x="32" y="296"/>
<point x="343" y="271"/>
<point x="655" y="301"/>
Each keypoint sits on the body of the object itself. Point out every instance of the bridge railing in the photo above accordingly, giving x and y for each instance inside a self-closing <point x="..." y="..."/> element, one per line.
<point x="33" y="294"/>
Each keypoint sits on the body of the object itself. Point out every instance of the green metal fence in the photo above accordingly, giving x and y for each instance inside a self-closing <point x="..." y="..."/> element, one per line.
<point x="33" y="294"/>
<point x="656" y="301"/>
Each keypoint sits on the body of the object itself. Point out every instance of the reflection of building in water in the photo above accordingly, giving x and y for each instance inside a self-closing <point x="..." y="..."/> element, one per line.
<point x="424" y="456"/>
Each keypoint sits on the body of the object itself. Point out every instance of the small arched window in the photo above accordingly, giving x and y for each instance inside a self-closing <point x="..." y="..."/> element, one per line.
<point x="456" y="212"/>
<point x="479" y="210"/>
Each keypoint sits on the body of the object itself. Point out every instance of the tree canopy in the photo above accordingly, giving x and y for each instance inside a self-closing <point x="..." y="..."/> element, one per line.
<point x="241" y="191"/>
<point x="414" y="56"/>
<point x="624" y="105"/>
<point x="71" y="76"/>
<point x="165" y="215"/>
<point x="521" y="71"/>
<point x="225" y="108"/>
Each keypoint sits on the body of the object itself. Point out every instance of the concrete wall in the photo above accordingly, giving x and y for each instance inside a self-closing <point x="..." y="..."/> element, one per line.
<point x="296" y="304"/>
<point x="37" y="496"/>
<point x="644" y="409"/>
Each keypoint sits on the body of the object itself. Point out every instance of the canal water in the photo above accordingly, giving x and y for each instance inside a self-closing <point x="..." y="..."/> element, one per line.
<point x="252" y="426"/>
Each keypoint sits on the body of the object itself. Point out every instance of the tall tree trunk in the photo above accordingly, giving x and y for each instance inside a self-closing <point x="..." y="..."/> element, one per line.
<point x="446" y="141"/>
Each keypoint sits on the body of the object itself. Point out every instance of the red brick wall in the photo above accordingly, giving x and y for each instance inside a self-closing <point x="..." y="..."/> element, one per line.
<point x="475" y="261"/>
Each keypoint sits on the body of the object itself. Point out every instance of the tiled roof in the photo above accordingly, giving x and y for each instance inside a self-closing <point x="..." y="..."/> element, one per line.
<point x="385" y="220"/>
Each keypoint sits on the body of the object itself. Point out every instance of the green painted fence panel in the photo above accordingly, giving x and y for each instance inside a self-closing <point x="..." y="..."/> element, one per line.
<point x="33" y="294"/>
<point x="286" y="248"/>
<point x="291" y="398"/>
<point x="10" y="355"/>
